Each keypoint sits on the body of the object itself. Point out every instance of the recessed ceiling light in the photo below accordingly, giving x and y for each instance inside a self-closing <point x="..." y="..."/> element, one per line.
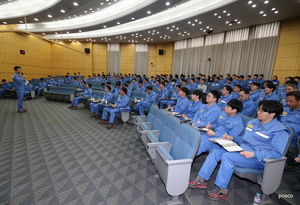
<point x="4" y="22"/>
<point x="56" y="33"/>
<point x="200" y="22"/>
<point x="224" y="11"/>
<point x="104" y="26"/>
<point x="201" y="28"/>
<point x="227" y="22"/>
<point x="43" y="33"/>
<point x="254" y="5"/>
<point x="62" y="11"/>
<point x="219" y="17"/>
<point x="215" y="14"/>
<point x="177" y="28"/>
<point x="273" y="9"/>
<point x="75" y="4"/>
<point x="167" y="3"/>
<point x="171" y="30"/>
<point x="35" y="19"/>
<point x="207" y="27"/>
<point x="266" y="2"/>
<point x="49" y="16"/>
<point x="275" y="12"/>
<point x="238" y="22"/>
<point x="230" y="24"/>
<point x="67" y="32"/>
<point x="249" y="2"/>
<point x="132" y="18"/>
<point x="235" y="20"/>
<point x="80" y="31"/>
<point x="91" y="9"/>
<point x="189" y="22"/>
<point x="173" y="26"/>
<point x="167" y="27"/>
<point x="118" y="22"/>
<point x="265" y="15"/>
<point x="261" y="12"/>
<point x="196" y="20"/>
<point x="148" y="12"/>
<point x="228" y="14"/>
<point x="98" y="9"/>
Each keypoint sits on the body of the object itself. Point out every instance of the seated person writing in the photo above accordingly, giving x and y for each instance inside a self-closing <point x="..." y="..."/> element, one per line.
<point x="264" y="137"/>
<point x="96" y="106"/>
<point x="122" y="102"/>
<point x="82" y="96"/>
<point x="146" y="103"/>
<point x="182" y="103"/>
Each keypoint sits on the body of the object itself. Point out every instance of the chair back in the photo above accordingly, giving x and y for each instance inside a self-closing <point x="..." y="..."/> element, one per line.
<point x="159" y="120"/>
<point x="186" y="143"/>
<point x="152" y="113"/>
<point x="135" y="95"/>
<point x="169" y="129"/>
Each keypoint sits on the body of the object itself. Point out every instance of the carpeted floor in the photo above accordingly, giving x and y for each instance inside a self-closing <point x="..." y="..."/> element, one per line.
<point x="54" y="155"/>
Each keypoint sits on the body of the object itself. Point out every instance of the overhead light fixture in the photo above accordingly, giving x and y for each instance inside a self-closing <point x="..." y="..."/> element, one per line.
<point x="224" y="11"/>
<point x="261" y="12"/>
<point x="4" y="22"/>
<point x="43" y="33"/>
<point x="265" y="15"/>
<point x="80" y="31"/>
<point x="228" y="14"/>
<point x="168" y="3"/>
<point x="275" y="12"/>
<point x="35" y="19"/>
<point x="273" y="9"/>
<point x="266" y="2"/>
<point x="254" y="5"/>
<point x="75" y="4"/>
<point x="148" y="12"/>
<point x="62" y="11"/>
<point x="132" y="18"/>
<point x="219" y="17"/>
<point x="249" y="2"/>
<point x="50" y="16"/>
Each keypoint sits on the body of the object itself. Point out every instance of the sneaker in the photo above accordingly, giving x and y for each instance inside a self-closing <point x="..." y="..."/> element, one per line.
<point x="217" y="194"/>
<point x="110" y="126"/>
<point x="103" y="122"/>
<point x="197" y="184"/>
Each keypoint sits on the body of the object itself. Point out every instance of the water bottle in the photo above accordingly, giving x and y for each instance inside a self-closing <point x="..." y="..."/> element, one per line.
<point x="103" y="100"/>
<point x="172" y="109"/>
<point x="106" y="102"/>
<point x="256" y="200"/>
<point x="135" y="100"/>
<point x="198" y="122"/>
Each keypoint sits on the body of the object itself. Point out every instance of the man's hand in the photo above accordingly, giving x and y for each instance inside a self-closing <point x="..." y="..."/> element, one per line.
<point x="208" y="126"/>
<point x="114" y="106"/>
<point x="210" y="133"/>
<point x="227" y="137"/>
<point x="247" y="154"/>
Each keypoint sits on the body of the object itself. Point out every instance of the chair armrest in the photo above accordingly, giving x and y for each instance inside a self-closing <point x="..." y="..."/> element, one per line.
<point x="266" y="160"/>
<point x="155" y="144"/>
<point x="178" y="162"/>
<point x="147" y="131"/>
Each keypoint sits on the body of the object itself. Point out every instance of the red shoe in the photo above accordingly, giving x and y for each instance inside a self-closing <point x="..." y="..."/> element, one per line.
<point x="21" y="111"/>
<point x="217" y="194"/>
<point x="110" y="126"/>
<point x="97" y="117"/>
<point x="93" y="115"/>
<point x="25" y="110"/>
<point x="103" y="122"/>
<point x="197" y="184"/>
<point x="70" y="106"/>
<point x="74" y="108"/>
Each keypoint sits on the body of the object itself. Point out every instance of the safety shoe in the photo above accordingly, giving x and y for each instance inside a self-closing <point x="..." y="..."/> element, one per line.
<point x="103" y="122"/>
<point x="110" y="126"/>
<point x="217" y="194"/>
<point x="197" y="184"/>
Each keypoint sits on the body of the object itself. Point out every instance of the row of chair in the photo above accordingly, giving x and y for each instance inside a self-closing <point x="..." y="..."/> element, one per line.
<point x="169" y="148"/>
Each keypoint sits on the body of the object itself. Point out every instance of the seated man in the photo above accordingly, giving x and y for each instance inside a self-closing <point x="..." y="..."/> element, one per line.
<point x="122" y="102"/>
<point x="172" y="100"/>
<point x="291" y="115"/>
<point x="95" y="107"/>
<point x="40" y="87"/>
<point x="163" y="92"/>
<point x="82" y="96"/>
<point x="117" y="88"/>
<point x="289" y="88"/>
<point x="249" y="106"/>
<point x="208" y="113"/>
<point x="5" y="89"/>
<point x="202" y="85"/>
<point x="182" y="103"/>
<point x="28" y="89"/>
<point x="264" y="137"/>
<point x="60" y="81"/>
<point x="269" y="93"/>
<point x="226" y="90"/>
<point x="229" y="123"/>
<point x="140" y="87"/>
<point x="192" y="84"/>
<point x="146" y="103"/>
<point x="52" y="82"/>
<point x="235" y="93"/>
<point x="194" y="104"/>
<point x="254" y="93"/>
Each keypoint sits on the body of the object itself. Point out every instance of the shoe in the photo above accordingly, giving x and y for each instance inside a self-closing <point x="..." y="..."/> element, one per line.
<point x="24" y="109"/>
<point x="93" y="115"/>
<point x="70" y="106"/>
<point x="296" y="187"/>
<point x="217" y="194"/>
<point x="110" y="126"/>
<point x="197" y="184"/>
<point x="103" y="122"/>
<point x="21" y="111"/>
<point x="74" y="108"/>
<point x="97" y="117"/>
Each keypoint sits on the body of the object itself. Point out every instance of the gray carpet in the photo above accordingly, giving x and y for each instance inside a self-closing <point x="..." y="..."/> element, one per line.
<point x="54" y="155"/>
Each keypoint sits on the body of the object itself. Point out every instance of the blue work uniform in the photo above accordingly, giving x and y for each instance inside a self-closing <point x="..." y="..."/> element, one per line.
<point x="52" y="83"/>
<point x="207" y="115"/>
<point x="261" y="82"/>
<point x="254" y="96"/>
<point x="117" y="91"/>
<point x="150" y="99"/>
<point x="276" y="82"/>
<point x="235" y="95"/>
<point x="60" y="82"/>
<point x="40" y="87"/>
<point x="265" y="140"/>
<point x="19" y="87"/>
<point x="86" y="94"/>
<point x="191" y="86"/>
<point x="122" y="102"/>
<point x="272" y="96"/>
<point x="192" y="109"/>
<point x="181" y="105"/>
<point x="95" y="107"/>
<point x="163" y="93"/>
<point x="28" y="89"/>
<point x="223" y="101"/>
<point x="5" y="89"/>
<point x="291" y="119"/>
<point x="232" y="126"/>
<point x="141" y="89"/>
<point x="249" y="107"/>
<point x="170" y="102"/>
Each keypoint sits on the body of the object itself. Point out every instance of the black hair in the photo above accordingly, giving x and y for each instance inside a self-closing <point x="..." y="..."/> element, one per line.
<point x="90" y="85"/>
<point x="235" y="104"/>
<point x="228" y="88"/>
<point x="108" y="83"/>
<point x="192" y="79"/>
<point x="245" y="91"/>
<point x="185" y="90"/>
<point x="124" y="89"/>
<point x="239" y="86"/>
<point x="118" y="83"/>
<point x="198" y="93"/>
<point x="261" y="75"/>
<point x="268" y="81"/>
<point x="255" y="75"/>
<point x="108" y="87"/>
<point x="292" y="82"/>
<point x="215" y="93"/>
<point x="16" y="67"/>
<point x="183" y="80"/>
<point x="256" y="84"/>
<point x="162" y="83"/>
<point x="296" y="94"/>
<point x="102" y="84"/>
<point x="271" y="86"/>
<point x="230" y="79"/>
<point x="149" y="87"/>
<point x="241" y="76"/>
<point x="140" y="81"/>
<point x="271" y="106"/>
<point x="3" y="80"/>
<point x="178" y="86"/>
<point x="42" y="79"/>
<point x="294" y="86"/>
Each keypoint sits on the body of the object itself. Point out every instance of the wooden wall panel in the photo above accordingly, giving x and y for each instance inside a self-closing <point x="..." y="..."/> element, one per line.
<point x="100" y="58"/>
<point x="127" y="58"/>
<point x="287" y="62"/>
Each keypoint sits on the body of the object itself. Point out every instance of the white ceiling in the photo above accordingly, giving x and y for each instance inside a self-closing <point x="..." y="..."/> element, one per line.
<point x="126" y="21"/>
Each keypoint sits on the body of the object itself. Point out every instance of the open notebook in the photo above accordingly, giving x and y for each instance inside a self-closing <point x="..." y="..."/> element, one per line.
<point x="228" y="145"/>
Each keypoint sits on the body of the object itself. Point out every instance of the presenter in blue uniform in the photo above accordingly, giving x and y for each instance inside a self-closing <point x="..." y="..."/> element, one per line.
<point x="264" y="137"/>
<point x="122" y="102"/>
<point x="19" y="87"/>
<point x="150" y="99"/>
<point x="82" y="96"/>
<point x="95" y="107"/>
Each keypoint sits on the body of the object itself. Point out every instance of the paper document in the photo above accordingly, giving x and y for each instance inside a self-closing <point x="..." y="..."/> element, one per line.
<point x="228" y="145"/>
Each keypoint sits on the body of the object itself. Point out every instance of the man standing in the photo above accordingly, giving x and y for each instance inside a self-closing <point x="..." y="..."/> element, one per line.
<point x="19" y="87"/>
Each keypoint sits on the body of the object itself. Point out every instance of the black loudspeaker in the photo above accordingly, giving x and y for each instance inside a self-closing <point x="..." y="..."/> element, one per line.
<point x="161" y="52"/>
<point x="87" y="50"/>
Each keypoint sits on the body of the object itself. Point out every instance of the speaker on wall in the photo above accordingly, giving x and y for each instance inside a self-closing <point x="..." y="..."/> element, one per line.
<point x="161" y="51"/>
<point x="87" y="50"/>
